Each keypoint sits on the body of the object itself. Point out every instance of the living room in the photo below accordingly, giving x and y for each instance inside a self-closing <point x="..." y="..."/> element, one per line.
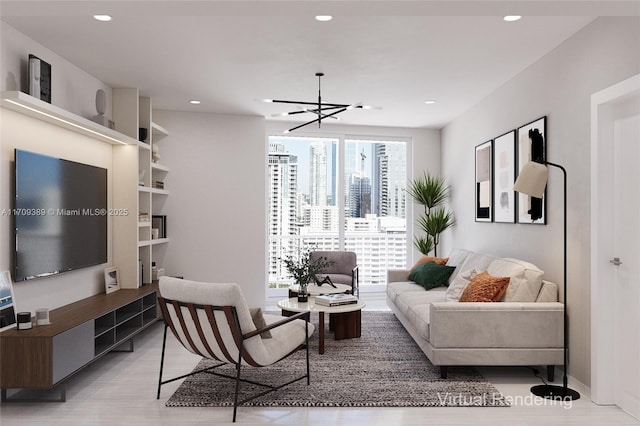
<point x="205" y="148"/>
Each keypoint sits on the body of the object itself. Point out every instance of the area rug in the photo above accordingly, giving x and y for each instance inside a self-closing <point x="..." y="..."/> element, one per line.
<point x="382" y="368"/>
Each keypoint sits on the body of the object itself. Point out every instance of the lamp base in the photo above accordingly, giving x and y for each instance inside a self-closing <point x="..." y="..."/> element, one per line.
<point x="555" y="392"/>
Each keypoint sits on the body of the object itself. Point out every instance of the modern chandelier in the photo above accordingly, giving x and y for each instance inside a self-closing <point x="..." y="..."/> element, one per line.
<point x="319" y="109"/>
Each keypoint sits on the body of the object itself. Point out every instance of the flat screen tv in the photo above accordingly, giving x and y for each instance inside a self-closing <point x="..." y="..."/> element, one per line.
<point x="59" y="215"/>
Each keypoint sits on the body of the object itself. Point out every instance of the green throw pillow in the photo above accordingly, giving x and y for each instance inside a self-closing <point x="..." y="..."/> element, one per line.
<point x="431" y="275"/>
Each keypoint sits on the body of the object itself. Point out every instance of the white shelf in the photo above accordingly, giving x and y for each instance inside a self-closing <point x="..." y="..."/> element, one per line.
<point x="26" y="104"/>
<point x="158" y="131"/>
<point x="145" y="243"/>
<point x="159" y="167"/>
<point x="153" y="190"/>
<point x="144" y="146"/>
<point x="143" y="224"/>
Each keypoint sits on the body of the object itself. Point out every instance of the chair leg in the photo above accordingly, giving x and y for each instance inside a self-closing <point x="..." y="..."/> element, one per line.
<point x="164" y="344"/>
<point x="235" y="398"/>
<point x="306" y="335"/>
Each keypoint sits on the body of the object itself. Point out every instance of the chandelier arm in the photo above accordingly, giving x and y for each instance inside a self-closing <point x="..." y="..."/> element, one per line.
<point x="279" y="101"/>
<point x="316" y="120"/>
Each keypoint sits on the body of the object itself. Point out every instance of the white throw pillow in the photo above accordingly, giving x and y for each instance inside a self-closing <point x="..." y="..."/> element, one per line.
<point x="459" y="283"/>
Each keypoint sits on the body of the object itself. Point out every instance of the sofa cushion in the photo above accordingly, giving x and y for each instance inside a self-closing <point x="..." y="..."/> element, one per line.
<point x="478" y="261"/>
<point x="425" y="259"/>
<point x="401" y="287"/>
<point x="457" y="258"/>
<point x="431" y="275"/>
<point x="526" y="279"/>
<point x="460" y="282"/>
<point x="485" y="288"/>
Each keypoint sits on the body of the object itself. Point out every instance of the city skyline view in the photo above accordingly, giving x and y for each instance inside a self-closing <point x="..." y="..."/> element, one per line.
<point x="305" y="211"/>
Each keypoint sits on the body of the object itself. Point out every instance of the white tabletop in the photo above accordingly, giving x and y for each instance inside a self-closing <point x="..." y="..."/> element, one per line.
<point x="322" y="289"/>
<point x="293" y="305"/>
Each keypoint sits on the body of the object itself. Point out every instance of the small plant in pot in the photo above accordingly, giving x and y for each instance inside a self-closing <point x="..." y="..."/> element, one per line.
<point x="304" y="270"/>
<point x="431" y="192"/>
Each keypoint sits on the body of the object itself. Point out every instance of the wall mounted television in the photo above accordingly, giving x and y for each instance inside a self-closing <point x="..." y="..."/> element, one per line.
<point x="60" y="218"/>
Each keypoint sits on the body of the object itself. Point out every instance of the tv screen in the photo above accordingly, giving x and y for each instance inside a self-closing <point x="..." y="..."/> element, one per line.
<point x="60" y="215"/>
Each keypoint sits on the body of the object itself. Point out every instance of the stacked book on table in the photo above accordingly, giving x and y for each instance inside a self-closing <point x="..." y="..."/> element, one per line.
<point x="336" y="299"/>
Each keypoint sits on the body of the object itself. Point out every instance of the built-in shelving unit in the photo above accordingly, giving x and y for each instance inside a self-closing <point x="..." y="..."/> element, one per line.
<point x="45" y="356"/>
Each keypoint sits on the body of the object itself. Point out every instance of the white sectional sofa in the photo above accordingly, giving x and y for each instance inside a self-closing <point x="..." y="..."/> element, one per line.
<point x="523" y="329"/>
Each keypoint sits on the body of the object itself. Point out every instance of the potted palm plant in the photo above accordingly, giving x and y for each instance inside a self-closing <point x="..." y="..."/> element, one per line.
<point x="431" y="192"/>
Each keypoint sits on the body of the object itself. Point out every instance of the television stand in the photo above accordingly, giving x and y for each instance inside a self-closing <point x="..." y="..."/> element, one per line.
<point x="45" y="356"/>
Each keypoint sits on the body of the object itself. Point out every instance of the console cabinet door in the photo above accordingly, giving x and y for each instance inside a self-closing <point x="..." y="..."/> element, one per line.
<point x="72" y="350"/>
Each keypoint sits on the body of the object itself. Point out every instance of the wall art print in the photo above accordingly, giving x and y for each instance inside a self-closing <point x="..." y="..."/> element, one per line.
<point x="504" y="175"/>
<point x="484" y="187"/>
<point x="532" y="144"/>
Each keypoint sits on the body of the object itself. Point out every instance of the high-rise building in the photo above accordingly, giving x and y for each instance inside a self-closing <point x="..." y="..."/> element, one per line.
<point x="283" y="200"/>
<point x="318" y="174"/>
<point x="390" y="179"/>
<point x="359" y="196"/>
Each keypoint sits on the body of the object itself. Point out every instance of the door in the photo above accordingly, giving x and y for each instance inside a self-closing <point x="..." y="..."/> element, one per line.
<point x="626" y="243"/>
<point x="615" y="246"/>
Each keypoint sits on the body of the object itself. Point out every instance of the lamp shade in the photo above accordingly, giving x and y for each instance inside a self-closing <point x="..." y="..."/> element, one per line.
<point x="532" y="179"/>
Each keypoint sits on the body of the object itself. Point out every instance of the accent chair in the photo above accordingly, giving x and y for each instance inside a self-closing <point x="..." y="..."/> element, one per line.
<point x="214" y="321"/>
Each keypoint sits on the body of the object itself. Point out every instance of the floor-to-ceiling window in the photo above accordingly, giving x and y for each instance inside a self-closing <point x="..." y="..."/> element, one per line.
<point x="337" y="194"/>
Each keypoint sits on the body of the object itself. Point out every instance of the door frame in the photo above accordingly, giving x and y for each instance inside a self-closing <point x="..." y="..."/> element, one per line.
<point x="602" y="273"/>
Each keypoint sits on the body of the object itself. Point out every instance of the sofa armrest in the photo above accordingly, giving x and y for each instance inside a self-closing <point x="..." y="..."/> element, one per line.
<point x="397" y="275"/>
<point x="496" y="325"/>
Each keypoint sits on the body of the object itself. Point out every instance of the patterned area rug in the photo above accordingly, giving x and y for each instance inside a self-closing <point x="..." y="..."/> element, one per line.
<point x="383" y="368"/>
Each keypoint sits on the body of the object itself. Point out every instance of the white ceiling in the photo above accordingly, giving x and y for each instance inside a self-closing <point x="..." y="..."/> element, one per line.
<point x="392" y="54"/>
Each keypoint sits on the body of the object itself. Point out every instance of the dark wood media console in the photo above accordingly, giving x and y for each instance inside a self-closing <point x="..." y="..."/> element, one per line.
<point x="81" y="332"/>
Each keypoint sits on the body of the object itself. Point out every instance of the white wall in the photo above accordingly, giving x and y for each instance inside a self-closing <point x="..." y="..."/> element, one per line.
<point x="559" y="86"/>
<point x="215" y="210"/>
<point x="72" y="89"/>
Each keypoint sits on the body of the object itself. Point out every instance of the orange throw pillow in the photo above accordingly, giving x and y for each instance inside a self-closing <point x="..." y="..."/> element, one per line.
<point x="425" y="259"/>
<point x="485" y="288"/>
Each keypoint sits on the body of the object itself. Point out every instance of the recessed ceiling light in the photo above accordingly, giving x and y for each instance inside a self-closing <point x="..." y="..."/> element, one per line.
<point x="103" y="18"/>
<point x="324" y="18"/>
<point x="429" y="102"/>
<point x="512" y="18"/>
<point x="194" y="102"/>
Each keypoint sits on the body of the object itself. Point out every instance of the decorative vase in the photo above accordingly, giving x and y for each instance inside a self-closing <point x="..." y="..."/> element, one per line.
<point x="303" y="295"/>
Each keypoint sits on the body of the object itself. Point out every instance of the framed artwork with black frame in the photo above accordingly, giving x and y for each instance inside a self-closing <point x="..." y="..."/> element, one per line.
<point x="531" y="146"/>
<point x="7" y="302"/>
<point x="484" y="187"/>
<point x="504" y="175"/>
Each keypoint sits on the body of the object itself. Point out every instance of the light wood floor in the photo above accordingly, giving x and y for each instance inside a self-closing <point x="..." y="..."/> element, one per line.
<point x="120" y="388"/>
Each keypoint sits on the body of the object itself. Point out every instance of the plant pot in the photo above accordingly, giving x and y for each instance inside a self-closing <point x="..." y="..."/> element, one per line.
<point x="303" y="295"/>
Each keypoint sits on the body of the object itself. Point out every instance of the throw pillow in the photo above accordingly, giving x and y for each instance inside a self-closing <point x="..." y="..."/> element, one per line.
<point x="485" y="288"/>
<point x="431" y="275"/>
<point x="259" y="322"/>
<point x="458" y="285"/>
<point x="425" y="259"/>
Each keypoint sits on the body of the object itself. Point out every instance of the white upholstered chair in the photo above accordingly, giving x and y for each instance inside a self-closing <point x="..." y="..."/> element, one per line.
<point x="213" y="320"/>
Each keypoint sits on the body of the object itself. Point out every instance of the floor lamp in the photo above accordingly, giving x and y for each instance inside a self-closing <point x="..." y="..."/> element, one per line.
<point x="532" y="181"/>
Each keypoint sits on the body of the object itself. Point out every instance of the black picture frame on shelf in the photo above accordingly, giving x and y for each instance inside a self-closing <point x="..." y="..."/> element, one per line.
<point x="504" y="175"/>
<point x="159" y="222"/>
<point x="531" y="146"/>
<point x="483" y="182"/>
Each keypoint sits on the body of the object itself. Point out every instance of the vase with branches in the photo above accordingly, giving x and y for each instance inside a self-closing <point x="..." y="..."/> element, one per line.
<point x="431" y="192"/>
<point x="303" y="269"/>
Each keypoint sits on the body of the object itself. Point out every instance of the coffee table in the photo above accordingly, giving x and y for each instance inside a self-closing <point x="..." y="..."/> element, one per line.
<point x="345" y="320"/>
<point x="315" y="289"/>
